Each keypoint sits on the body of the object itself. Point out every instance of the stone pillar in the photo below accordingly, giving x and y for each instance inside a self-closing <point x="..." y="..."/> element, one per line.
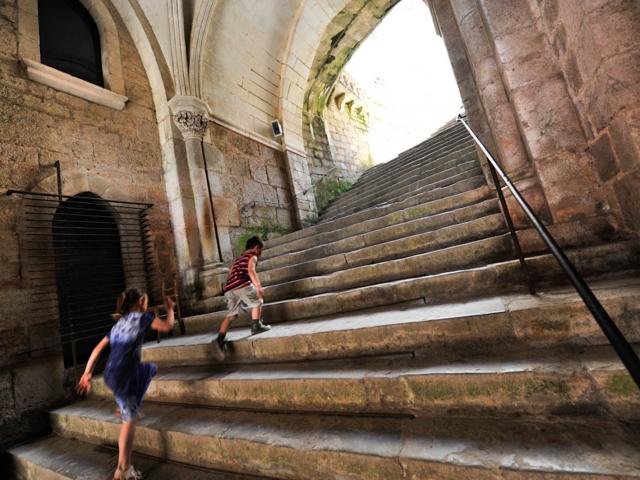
<point x="190" y="116"/>
<point x="302" y="194"/>
<point x="499" y="112"/>
<point x="546" y="116"/>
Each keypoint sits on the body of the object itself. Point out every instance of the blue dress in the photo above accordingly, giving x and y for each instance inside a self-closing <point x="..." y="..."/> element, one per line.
<point x="125" y="374"/>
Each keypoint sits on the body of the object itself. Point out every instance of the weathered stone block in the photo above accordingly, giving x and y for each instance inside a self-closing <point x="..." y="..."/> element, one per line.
<point x="605" y="159"/>
<point x="570" y="185"/>
<point x="627" y="190"/>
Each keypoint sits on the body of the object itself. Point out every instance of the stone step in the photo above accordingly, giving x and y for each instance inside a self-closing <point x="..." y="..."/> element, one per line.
<point x="555" y="318"/>
<point x="419" y="152"/>
<point x="475" y="282"/>
<point x="344" y="276"/>
<point x="412" y="184"/>
<point x="331" y="232"/>
<point x="383" y="235"/>
<point x="404" y="179"/>
<point x="407" y="173"/>
<point x="472" y="172"/>
<point x="295" y="446"/>
<point x="459" y="183"/>
<point x="58" y="458"/>
<point x="538" y="385"/>
<point x="466" y="233"/>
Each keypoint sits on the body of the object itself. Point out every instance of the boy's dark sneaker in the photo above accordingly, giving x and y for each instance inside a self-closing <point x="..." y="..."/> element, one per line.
<point x="219" y="349"/>
<point x="258" y="327"/>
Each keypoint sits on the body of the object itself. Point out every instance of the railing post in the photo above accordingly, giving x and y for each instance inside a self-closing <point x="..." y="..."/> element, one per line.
<point x="620" y="344"/>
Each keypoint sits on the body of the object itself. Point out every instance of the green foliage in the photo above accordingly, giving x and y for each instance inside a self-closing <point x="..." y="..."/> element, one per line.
<point x="265" y="230"/>
<point x="328" y="189"/>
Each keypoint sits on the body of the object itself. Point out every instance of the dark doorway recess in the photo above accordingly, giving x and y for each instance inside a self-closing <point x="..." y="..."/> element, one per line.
<point x="89" y="271"/>
<point x="69" y="39"/>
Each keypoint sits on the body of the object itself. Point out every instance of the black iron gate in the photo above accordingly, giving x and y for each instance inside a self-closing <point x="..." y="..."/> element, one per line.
<point x="79" y="253"/>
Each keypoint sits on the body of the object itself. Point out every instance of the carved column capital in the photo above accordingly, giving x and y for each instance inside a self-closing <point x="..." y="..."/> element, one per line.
<point x="191" y="124"/>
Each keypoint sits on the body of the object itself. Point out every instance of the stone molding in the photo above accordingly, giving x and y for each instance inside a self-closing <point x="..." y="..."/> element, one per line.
<point x="191" y="116"/>
<point x="64" y="82"/>
<point x="29" y="41"/>
<point x="191" y="124"/>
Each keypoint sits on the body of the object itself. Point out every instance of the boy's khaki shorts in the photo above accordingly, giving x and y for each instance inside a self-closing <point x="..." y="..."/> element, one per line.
<point x="242" y="298"/>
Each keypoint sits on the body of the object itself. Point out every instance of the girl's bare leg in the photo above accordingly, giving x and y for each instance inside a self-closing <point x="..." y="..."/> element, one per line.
<point x="256" y="313"/>
<point x="125" y="444"/>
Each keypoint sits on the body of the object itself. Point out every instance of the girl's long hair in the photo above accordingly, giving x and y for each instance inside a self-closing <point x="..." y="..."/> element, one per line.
<point x="126" y="301"/>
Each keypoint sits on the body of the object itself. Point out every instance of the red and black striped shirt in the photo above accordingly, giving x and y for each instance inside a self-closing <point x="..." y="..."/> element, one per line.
<point x="239" y="274"/>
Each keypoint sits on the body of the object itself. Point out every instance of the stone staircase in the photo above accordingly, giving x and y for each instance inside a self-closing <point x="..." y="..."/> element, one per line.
<point x="404" y="347"/>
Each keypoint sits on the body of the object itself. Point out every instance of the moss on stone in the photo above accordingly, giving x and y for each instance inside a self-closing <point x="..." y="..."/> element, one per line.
<point x="622" y="386"/>
<point x="328" y="189"/>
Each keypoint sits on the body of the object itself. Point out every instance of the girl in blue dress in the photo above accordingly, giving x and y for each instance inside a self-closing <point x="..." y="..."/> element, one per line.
<point x="125" y="374"/>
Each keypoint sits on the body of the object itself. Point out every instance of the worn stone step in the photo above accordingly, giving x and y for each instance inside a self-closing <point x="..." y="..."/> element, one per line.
<point x="294" y="446"/>
<point x="466" y="233"/>
<point x="556" y="317"/>
<point x="419" y="152"/>
<point x="415" y="183"/>
<point x="337" y="230"/>
<point x="383" y="235"/>
<point x="406" y="175"/>
<point x="445" y="287"/>
<point x="344" y="277"/>
<point x="403" y="182"/>
<point x="473" y="172"/>
<point x="444" y="188"/>
<point x="59" y="458"/>
<point x="539" y="385"/>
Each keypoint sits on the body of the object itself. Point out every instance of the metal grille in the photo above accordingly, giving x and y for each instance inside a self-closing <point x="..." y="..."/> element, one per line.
<point x="79" y="253"/>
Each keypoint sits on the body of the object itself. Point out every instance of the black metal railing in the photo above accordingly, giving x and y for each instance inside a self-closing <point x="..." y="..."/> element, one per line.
<point x="78" y="254"/>
<point x="620" y="344"/>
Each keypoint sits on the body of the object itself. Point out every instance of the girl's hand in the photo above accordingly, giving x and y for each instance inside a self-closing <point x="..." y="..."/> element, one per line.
<point x="84" y="385"/>
<point x="169" y="303"/>
<point x="260" y="292"/>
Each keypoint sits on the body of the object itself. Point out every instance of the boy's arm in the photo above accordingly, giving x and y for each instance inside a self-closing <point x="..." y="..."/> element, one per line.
<point x="253" y="275"/>
<point x="84" y="385"/>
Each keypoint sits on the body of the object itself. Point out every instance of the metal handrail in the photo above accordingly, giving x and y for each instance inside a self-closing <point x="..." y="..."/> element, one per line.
<point x="620" y="344"/>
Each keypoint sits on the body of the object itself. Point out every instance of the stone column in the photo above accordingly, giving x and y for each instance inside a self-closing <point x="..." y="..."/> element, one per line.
<point x="546" y="115"/>
<point x="302" y="194"/>
<point x="190" y="116"/>
<point x="499" y="112"/>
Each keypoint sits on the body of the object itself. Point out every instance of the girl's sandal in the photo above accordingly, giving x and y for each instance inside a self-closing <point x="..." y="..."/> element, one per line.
<point x="127" y="474"/>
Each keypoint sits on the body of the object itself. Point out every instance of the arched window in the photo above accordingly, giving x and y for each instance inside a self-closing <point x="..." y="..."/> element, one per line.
<point x="69" y="39"/>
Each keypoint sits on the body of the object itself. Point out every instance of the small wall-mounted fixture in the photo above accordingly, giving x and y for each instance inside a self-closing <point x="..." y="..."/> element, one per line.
<point x="276" y="128"/>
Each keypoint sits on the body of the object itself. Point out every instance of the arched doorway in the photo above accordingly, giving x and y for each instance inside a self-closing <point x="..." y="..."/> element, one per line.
<point x="89" y="272"/>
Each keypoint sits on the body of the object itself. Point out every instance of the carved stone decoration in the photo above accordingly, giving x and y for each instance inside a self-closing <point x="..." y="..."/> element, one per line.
<point x="191" y="124"/>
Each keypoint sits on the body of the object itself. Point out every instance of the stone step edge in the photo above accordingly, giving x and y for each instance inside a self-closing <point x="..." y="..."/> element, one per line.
<point x="275" y="241"/>
<point x="406" y="179"/>
<point x="414" y="172"/>
<point x="467" y="328"/>
<point x="441" y="184"/>
<point x="507" y="276"/>
<point x="460" y="183"/>
<point x="62" y="458"/>
<point x="303" y="446"/>
<point x="441" y="206"/>
<point x="423" y="151"/>
<point x="395" y="190"/>
<point x="470" y="212"/>
<point x="551" y="384"/>
<point x="490" y="226"/>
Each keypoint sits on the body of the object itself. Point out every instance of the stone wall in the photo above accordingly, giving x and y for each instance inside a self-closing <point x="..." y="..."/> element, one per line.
<point x="597" y="45"/>
<point x="112" y="153"/>
<point x="253" y="189"/>
<point x="337" y="140"/>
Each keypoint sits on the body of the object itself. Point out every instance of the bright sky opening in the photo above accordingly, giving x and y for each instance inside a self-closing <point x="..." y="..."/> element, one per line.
<point x="404" y="67"/>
